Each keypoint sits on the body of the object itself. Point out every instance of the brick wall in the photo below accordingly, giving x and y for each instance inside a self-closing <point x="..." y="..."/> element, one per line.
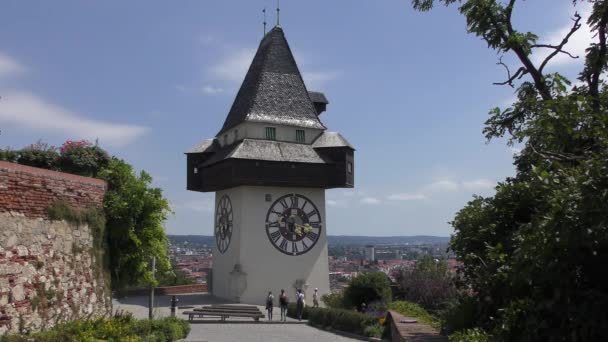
<point x="49" y="271"/>
<point x="30" y="190"/>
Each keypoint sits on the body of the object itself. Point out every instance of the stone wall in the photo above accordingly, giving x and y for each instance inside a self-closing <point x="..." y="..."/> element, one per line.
<point x="49" y="270"/>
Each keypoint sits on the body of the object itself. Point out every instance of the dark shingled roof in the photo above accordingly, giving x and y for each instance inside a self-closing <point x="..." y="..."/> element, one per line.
<point x="317" y="97"/>
<point x="203" y="146"/>
<point x="268" y="150"/>
<point x="331" y="139"/>
<point x="273" y="90"/>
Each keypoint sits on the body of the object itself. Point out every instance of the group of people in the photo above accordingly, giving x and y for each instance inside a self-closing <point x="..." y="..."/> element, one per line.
<point x="284" y="301"/>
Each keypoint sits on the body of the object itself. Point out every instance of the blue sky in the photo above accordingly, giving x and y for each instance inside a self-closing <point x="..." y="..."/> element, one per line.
<point x="149" y="79"/>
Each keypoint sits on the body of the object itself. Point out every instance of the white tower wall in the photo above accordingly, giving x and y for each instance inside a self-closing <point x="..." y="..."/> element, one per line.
<point x="264" y="268"/>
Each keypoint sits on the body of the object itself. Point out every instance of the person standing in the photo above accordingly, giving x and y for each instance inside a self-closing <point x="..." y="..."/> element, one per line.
<point x="269" y="305"/>
<point x="299" y="304"/>
<point x="283" y="304"/>
<point x="315" y="298"/>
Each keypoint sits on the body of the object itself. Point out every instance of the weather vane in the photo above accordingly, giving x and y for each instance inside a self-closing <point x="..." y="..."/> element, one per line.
<point x="264" y="11"/>
<point x="278" y="12"/>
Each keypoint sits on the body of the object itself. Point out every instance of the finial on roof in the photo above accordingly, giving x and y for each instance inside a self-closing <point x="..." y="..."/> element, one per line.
<point x="264" y="11"/>
<point x="278" y="13"/>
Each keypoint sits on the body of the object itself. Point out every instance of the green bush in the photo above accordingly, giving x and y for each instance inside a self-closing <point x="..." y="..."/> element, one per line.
<point x="470" y="335"/>
<point x="461" y="314"/>
<point x="415" y="311"/>
<point x="123" y="328"/>
<point x="82" y="158"/>
<point x="9" y="155"/>
<point x="368" y="287"/>
<point x="38" y="155"/>
<point x="333" y="300"/>
<point x="339" y="319"/>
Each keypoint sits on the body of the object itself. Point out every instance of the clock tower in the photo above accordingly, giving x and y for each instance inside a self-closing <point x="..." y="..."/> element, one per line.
<point x="269" y="166"/>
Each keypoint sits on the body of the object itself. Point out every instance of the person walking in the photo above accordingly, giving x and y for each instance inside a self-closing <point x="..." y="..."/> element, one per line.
<point x="315" y="298"/>
<point x="269" y="305"/>
<point x="299" y="304"/>
<point x="283" y="304"/>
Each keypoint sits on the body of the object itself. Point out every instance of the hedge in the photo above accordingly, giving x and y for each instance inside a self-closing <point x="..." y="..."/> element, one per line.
<point x="339" y="319"/>
<point x="122" y="328"/>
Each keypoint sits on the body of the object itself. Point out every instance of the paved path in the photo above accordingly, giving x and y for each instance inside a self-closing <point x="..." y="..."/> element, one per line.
<point x="260" y="333"/>
<point x="209" y="330"/>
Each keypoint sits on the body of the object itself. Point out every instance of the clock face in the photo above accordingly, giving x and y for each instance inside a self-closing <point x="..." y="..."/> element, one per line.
<point x="223" y="224"/>
<point x="293" y="224"/>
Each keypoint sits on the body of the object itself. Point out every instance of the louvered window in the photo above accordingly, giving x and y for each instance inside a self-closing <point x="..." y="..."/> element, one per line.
<point x="300" y="137"/>
<point x="271" y="133"/>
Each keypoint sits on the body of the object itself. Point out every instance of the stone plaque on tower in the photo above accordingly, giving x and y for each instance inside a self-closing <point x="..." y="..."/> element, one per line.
<point x="269" y="167"/>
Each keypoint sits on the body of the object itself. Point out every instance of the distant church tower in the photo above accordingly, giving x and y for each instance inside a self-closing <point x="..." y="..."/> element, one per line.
<point x="269" y="167"/>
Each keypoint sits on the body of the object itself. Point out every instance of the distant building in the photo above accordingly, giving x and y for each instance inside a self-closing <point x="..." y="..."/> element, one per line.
<point x="369" y="253"/>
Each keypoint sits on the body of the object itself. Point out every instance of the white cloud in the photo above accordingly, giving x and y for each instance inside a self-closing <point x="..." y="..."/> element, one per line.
<point x="370" y="200"/>
<point x="206" y="89"/>
<point x="30" y="111"/>
<point x="315" y="80"/>
<point x="576" y="45"/>
<point x="234" y="67"/>
<point x="9" y="66"/>
<point x="442" y="186"/>
<point x="478" y="184"/>
<point x="211" y="90"/>
<point x="337" y="203"/>
<point x="407" y="197"/>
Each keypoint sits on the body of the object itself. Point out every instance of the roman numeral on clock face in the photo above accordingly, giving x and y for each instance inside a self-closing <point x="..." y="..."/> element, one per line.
<point x="283" y="245"/>
<point x="311" y="213"/>
<point x="294" y="201"/>
<point x="312" y="235"/>
<point x="294" y="247"/>
<point x="275" y="235"/>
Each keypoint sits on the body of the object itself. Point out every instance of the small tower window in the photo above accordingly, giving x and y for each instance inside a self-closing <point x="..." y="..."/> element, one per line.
<point x="349" y="167"/>
<point x="225" y="139"/>
<point x="300" y="136"/>
<point x="236" y="134"/>
<point x="271" y="133"/>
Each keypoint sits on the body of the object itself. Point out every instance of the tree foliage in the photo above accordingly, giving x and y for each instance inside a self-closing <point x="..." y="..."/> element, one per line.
<point x="135" y="212"/>
<point x="429" y="283"/>
<point x="534" y="254"/>
<point x="367" y="287"/>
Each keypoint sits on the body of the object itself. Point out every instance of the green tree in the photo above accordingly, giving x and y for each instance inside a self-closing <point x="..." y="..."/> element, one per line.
<point x="134" y="212"/>
<point x="429" y="283"/>
<point x="368" y="287"/>
<point x="534" y="254"/>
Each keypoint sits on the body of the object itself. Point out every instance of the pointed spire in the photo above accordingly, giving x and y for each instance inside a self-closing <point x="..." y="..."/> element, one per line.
<point x="273" y="90"/>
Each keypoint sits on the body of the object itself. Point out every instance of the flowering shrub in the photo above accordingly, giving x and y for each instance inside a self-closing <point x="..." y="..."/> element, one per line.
<point x="39" y="154"/>
<point x="82" y="158"/>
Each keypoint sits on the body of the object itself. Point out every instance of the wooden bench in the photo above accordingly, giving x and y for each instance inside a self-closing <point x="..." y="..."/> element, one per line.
<point x="226" y="311"/>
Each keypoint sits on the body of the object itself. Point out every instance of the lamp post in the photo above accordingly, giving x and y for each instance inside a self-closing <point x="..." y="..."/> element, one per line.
<point x="151" y="297"/>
